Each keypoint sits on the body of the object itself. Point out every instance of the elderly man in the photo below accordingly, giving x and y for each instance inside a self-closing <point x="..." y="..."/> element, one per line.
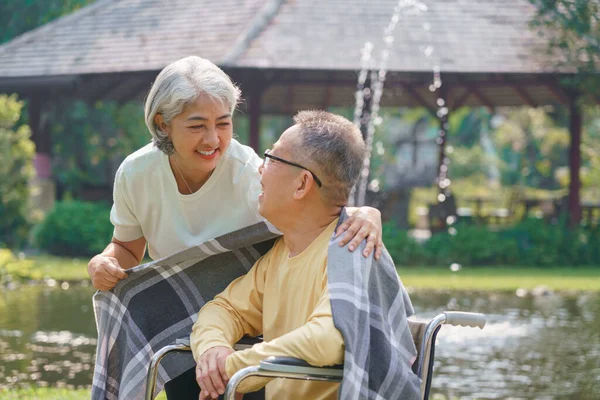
<point x="306" y="180"/>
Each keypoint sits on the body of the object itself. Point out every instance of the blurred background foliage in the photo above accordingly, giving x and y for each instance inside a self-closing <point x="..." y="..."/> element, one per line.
<point x="20" y="16"/>
<point x="16" y="169"/>
<point x="491" y="152"/>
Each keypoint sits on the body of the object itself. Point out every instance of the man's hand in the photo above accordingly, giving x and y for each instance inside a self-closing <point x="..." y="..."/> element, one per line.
<point x="210" y="372"/>
<point x="105" y="272"/>
<point x="363" y="223"/>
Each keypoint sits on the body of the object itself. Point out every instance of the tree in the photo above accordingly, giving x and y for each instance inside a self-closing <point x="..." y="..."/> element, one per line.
<point x="16" y="168"/>
<point x="572" y="28"/>
<point x="20" y="16"/>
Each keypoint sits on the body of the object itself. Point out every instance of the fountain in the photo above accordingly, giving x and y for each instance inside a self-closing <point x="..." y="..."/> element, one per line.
<point x="370" y="89"/>
<point x="371" y="79"/>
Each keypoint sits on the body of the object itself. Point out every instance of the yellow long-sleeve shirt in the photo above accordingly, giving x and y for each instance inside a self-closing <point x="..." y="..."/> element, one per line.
<point x="287" y="300"/>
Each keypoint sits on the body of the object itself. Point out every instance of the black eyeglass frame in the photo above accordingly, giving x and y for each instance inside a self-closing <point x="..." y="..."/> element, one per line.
<point x="293" y="164"/>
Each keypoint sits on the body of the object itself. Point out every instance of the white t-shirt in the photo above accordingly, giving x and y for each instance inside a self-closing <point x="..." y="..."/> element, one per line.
<point x="147" y="202"/>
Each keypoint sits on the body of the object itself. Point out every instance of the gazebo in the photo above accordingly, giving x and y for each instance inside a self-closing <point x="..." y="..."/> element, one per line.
<point x="292" y="55"/>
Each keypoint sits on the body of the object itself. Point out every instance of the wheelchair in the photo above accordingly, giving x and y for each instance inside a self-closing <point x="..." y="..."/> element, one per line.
<point x="424" y="335"/>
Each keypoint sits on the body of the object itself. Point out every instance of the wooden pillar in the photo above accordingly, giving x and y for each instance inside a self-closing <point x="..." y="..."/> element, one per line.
<point x="574" y="162"/>
<point x="254" y="111"/>
<point x="43" y="186"/>
<point x="41" y="137"/>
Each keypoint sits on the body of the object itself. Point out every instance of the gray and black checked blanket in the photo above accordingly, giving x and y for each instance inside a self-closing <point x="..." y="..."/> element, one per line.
<point x="158" y="303"/>
<point x="370" y="307"/>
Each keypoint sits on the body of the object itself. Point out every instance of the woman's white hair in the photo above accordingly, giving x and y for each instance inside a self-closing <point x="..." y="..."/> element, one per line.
<point x="177" y="86"/>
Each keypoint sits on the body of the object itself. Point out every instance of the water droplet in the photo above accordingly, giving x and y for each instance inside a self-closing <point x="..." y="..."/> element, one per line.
<point x="440" y="102"/>
<point x="451" y="219"/>
<point x="374" y="185"/>
<point x="428" y="50"/>
<point x="452" y="304"/>
<point x="452" y="231"/>
<point x="521" y="292"/>
<point x="432" y="88"/>
<point x="455" y="267"/>
<point x="64" y="286"/>
<point x="441" y="197"/>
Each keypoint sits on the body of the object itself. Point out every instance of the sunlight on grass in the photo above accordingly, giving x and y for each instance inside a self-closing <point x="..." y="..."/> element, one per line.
<point x="52" y="394"/>
<point x="44" y="394"/>
<point x="501" y="278"/>
<point x="468" y="278"/>
<point x="44" y="266"/>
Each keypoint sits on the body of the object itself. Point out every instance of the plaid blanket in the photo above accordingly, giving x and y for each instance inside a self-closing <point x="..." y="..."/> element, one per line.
<point x="370" y="308"/>
<point x="158" y="303"/>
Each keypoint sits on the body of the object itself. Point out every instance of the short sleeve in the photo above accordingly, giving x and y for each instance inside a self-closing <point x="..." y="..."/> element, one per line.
<point x="127" y="226"/>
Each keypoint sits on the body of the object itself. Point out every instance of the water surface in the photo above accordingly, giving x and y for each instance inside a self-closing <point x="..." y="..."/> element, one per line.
<point x="533" y="347"/>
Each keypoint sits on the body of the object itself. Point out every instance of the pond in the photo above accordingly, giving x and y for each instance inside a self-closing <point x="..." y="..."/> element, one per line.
<point x="545" y="346"/>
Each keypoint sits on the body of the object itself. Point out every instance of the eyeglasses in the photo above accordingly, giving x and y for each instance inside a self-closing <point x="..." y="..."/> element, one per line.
<point x="268" y="157"/>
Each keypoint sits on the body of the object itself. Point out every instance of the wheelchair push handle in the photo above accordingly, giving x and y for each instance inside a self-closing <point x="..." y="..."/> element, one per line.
<point x="473" y="320"/>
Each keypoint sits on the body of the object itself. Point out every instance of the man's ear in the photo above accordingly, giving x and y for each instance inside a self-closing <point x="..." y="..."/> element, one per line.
<point x="160" y="122"/>
<point x="304" y="184"/>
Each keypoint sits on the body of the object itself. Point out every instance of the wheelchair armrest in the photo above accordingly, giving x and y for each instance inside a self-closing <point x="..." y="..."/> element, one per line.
<point x="246" y="342"/>
<point x="296" y="365"/>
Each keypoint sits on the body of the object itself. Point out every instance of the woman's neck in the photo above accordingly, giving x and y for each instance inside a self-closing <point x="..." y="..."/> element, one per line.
<point x="188" y="182"/>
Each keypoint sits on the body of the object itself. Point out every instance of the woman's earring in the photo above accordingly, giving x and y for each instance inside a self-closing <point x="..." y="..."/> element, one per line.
<point x="168" y="147"/>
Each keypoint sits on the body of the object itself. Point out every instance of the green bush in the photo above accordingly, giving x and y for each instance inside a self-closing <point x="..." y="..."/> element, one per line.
<point x="547" y="245"/>
<point x="75" y="228"/>
<point x="16" y="168"/>
<point x="472" y="245"/>
<point x="404" y="249"/>
<point x="530" y="243"/>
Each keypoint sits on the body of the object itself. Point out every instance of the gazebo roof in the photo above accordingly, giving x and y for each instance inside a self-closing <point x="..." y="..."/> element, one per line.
<point x="465" y="36"/>
<point x="112" y="36"/>
<point x="306" y="51"/>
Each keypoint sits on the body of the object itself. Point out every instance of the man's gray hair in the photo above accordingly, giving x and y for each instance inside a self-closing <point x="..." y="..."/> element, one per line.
<point x="178" y="85"/>
<point x="333" y="145"/>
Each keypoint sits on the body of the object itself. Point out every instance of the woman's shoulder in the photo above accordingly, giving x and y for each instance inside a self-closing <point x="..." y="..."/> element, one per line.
<point x="142" y="159"/>
<point x="141" y="162"/>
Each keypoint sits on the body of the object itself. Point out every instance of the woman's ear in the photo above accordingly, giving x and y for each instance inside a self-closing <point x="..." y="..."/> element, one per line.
<point x="160" y="123"/>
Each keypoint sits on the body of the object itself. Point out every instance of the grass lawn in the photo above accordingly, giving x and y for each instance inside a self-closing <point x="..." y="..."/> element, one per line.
<point x="40" y="267"/>
<point x="468" y="278"/>
<point x="80" y="394"/>
<point x="44" y="394"/>
<point x="51" y="394"/>
<point x="502" y="278"/>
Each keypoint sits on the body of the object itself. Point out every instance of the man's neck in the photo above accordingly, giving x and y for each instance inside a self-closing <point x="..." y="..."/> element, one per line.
<point x="306" y="227"/>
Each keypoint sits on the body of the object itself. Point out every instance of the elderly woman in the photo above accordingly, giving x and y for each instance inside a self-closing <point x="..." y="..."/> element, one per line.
<point x="194" y="182"/>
